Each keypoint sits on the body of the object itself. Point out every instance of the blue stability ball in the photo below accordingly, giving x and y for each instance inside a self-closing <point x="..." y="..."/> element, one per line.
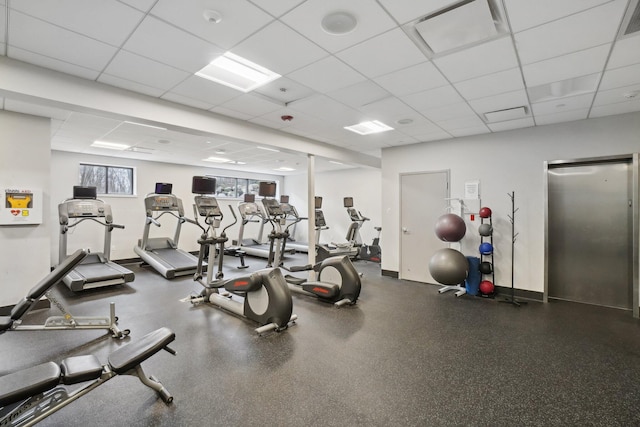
<point x="486" y="248"/>
<point x="450" y="228"/>
<point x="449" y="267"/>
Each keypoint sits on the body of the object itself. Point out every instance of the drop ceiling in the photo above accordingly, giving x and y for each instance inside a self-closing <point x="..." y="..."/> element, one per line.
<point x="557" y="61"/>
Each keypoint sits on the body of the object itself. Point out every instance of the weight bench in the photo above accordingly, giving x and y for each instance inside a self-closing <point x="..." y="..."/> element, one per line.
<point x="30" y="395"/>
<point x="13" y="322"/>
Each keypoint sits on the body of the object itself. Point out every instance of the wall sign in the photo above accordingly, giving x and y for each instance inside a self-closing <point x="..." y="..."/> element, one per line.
<point x="21" y="206"/>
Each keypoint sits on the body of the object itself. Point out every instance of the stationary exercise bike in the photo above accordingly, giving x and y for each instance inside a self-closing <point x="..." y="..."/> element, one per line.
<point x="267" y="299"/>
<point x="371" y="252"/>
<point x="337" y="281"/>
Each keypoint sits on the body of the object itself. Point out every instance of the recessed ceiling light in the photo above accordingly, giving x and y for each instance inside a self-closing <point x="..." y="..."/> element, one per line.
<point x="404" y="121"/>
<point x="632" y="94"/>
<point x="212" y="16"/>
<point x="237" y="72"/>
<point x="284" y="169"/>
<point x="110" y="145"/>
<point x="145" y="125"/>
<point x="268" y="149"/>
<point x="164" y="141"/>
<point x="339" y="23"/>
<point x="367" y="128"/>
<point x="219" y="151"/>
<point x="240" y="163"/>
<point x="217" y="159"/>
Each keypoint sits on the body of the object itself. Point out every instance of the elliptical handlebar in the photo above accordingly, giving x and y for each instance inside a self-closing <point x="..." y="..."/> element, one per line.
<point x="235" y="220"/>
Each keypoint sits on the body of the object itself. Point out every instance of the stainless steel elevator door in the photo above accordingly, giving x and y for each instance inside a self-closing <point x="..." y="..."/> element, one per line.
<point x="590" y="239"/>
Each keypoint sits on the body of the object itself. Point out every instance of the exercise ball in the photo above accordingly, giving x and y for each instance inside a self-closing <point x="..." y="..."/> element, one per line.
<point x="486" y="287"/>
<point x="485" y="212"/>
<point x="486" y="248"/>
<point x="449" y="267"/>
<point x="485" y="267"/>
<point x="485" y="230"/>
<point x="450" y="228"/>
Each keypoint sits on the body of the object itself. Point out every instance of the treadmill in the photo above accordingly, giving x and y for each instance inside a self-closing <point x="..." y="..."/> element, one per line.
<point x="162" y="253"/>
<point x="291" y="215"/>
<point x="323" y="250"/>
<point x="96" y="269"/>
<point x="250" y="211"/>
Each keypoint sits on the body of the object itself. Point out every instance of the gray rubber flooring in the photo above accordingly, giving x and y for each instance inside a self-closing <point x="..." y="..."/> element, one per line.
<point x="403" y="356"/>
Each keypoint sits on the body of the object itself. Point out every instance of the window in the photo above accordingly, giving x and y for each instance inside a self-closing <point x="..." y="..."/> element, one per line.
<point x="107" y="179"/>
<point x="236" y="187"/>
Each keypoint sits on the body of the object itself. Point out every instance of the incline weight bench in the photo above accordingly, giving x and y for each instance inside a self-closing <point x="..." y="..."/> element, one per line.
<point x="30" y="395"/>
<point x="13" y="322"/>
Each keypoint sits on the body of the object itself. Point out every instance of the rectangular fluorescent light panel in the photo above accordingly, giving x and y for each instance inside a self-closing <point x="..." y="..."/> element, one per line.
<point x="142" y="124"/>
<point x="217" y="159"/>
<point x="237" y="72"/>
<point x="284" y="169"/>
<point x="367" y="128"/>
<point x="110" y="145"/>
<point x="504" y="115"/>
<point x="469" y="23"/>
<point x="268" y="149"/>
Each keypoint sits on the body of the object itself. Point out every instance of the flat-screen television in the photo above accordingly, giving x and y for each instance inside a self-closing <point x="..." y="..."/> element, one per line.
<point x="284" y="199"/>
<point x="318" y="202"/>
<point x="163" y="188"/>
<point x="267" y="189"/>
<point x="82" y="192"/>
<point x="348" y="202"/>
<point x="249" y="198"/>
<point x="203" y="185"/>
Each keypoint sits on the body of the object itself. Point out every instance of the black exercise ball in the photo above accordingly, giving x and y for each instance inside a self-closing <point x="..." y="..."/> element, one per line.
<point x="485" y="267"/>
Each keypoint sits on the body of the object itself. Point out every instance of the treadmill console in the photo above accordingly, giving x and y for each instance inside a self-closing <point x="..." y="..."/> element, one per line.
<point x="320" y="222"/>
<point x="248" y="209"/>
<point x="208" y="206"/>
<point x="353" y="214"/>
<point x="272" y="207"/>
<point x="84" y="208"/>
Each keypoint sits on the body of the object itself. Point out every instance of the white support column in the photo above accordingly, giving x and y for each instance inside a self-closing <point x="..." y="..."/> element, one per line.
<point x="311" y="210"/>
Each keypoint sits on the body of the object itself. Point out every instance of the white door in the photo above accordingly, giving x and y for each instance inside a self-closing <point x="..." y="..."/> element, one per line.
<point x="422" y="202"/>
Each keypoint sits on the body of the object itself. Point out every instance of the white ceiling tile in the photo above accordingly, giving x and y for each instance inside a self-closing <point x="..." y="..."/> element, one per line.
<point x="419" y="126"/>
<point x="492" y="84"/>
<point x="292" y="90"/>
<point x="383" y="54"/>
<point x="145" y="71"/>
<point x="413" y="79"/>
<point x="304" y="123"/>
<point x="487" y="58"/>
<point x="461" y="123"/>
<point x="587" y="29"/>
<point x="280" y="49"/>
<point x="525" y="14"/>
<point x="562" y="105"/>
<point x="306" y="19"/>
<point x="251" y="105"/>
<point x="108" y="21"/>
<point x="433" y="136"/>
<point x="359" y="94"/>
<point x="560" y="117"/>
<point x="389" y="110"/>
<point x="476" y="130"/>
<point x="326" y="108"/>
<point x="625" y="52"/>
<point x="448" y="112"/>
<point x="564" y="88"/>
<point x="439" y="97"/>
<point x="326" y="75"/>
<point x="503" y="101"/>
<point x="36" y="110"/>
<point x="3" y="23"/>
<point x="205" y="90"/>
<point x="185" y="100"/>
<point x="143" y="5"/>
<point x="575" y="64"/>
<point x="164" y="43"/>
<point x="409" y="10"/>
<point x="619" y="77"/>
<point x="130" y="85"/>
<point x="49" y="40"/>
<point x="240" y="19"/>
<point x="511" y="124"/>
<point x="620" y="94"/>
<point x="231" y="113"/>
<point x="51" y="63"/>
<point x="277" y="8"/>
<point x="618" y="108"/>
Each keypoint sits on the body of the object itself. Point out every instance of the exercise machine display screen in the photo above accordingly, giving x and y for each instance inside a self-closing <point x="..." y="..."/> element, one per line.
<point x="272" y="207"/>
<point x="203" y="185"/>
<point x="163" y="188"/>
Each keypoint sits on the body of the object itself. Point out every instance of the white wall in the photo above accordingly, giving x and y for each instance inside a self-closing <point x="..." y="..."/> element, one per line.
<point x="24" y="163"/>
<point x="504" y="162"/>
<point x="363" y="184"/>
<point x="129" y="210"/>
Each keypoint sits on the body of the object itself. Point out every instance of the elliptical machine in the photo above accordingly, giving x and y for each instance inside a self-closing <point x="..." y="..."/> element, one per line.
<point x="371" y="252"/>
<point x="267" y="299"/>
<point x="337" y="280"/>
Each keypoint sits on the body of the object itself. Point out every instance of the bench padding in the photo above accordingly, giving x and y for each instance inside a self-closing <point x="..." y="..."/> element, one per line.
<point x="78" y="369"/>
<point x="28" y="382"/>
<point x="132" y="354"/>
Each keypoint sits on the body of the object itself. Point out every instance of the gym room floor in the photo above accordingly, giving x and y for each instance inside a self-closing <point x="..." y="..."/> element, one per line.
<point x="405" y="355"/>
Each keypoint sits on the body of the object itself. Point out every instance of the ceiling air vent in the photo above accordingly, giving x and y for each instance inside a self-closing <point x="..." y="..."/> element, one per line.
<point x="504" y="115"/>
<point x="631" y="22"/>
<point x="461" y="25"/>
